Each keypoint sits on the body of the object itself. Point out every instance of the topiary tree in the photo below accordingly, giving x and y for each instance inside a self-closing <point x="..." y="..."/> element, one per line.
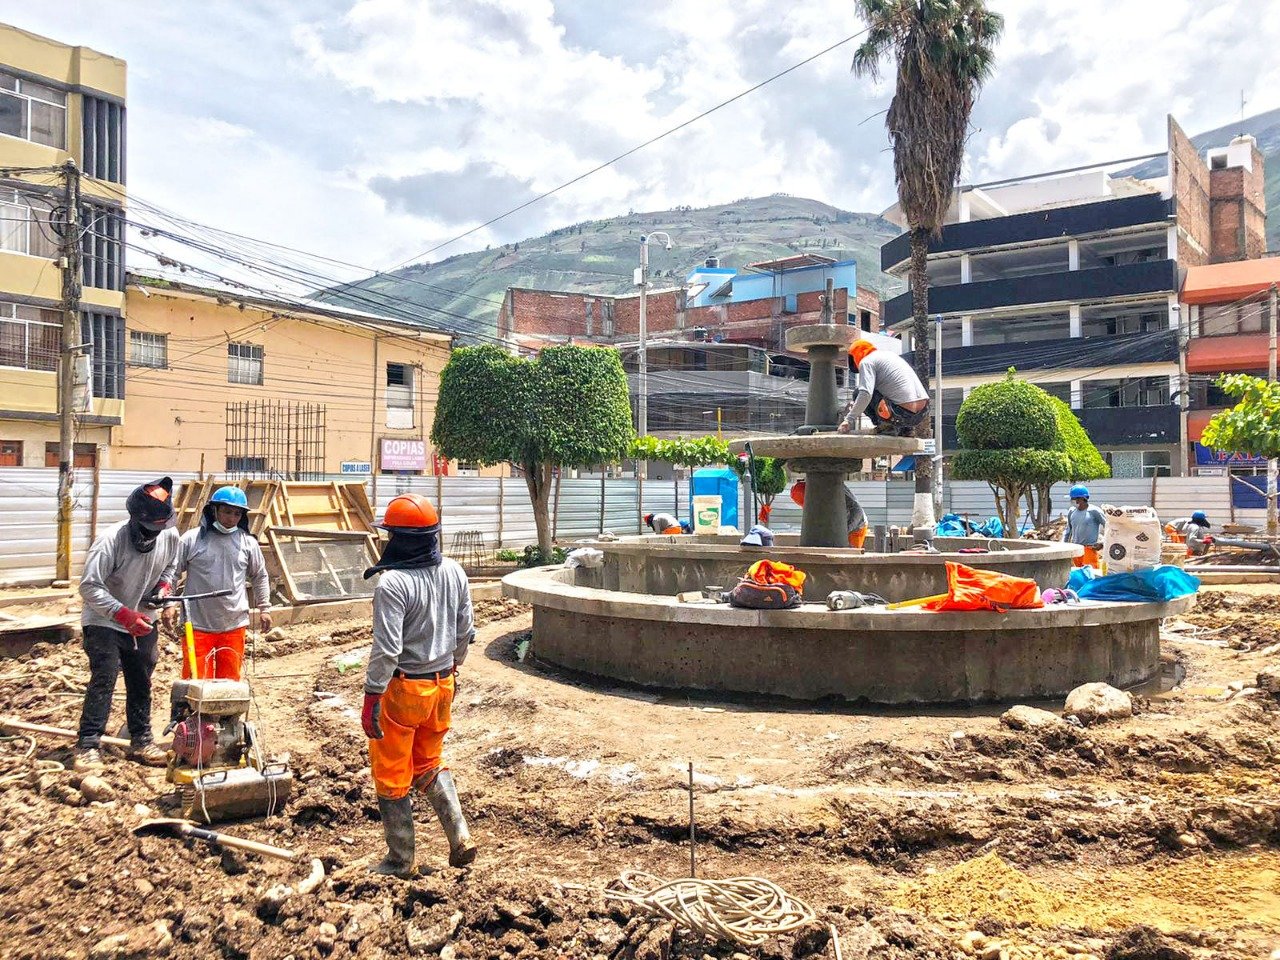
<point x="1009" y="437"/>
<point x="567" y="408"/>
<point x="689" y="452"/>
<point x="770" y="479"/>
<point x="1086" y="462"/>
<point x="1251" y="427"/>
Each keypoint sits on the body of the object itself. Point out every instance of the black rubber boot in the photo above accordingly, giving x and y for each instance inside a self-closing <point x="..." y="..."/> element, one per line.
<point x="444" y="801"/>
<point x="397" y="826"/>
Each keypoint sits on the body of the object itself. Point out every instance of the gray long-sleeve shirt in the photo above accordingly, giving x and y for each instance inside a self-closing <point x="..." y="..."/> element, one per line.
<point x="890" y="376"/>
<point x="1084" y="526"/>
<point x="117" y="575"/>
<point x="421" y="622"/>
<point x="855" y="517"/>
<point x="220" y="561"/>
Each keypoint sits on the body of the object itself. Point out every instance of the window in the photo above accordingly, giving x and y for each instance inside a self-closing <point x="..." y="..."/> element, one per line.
<point x="1156" y="463"/>
<point x="1136" y="392"/>
<point x="25" y="224"/>
<point x="246" y="464"/>
<point x="148" y="349"/>
<point x="103" y="138"/>
<point x="30" y="337"/>
<point x="399" y="385"/>
<point x="82" y="454"/>
<point x="104" y="332"/>
<point x="33" y="111"/>
<point x="244" y="363"/>
<point x="102" y="247"/>
<point x="10" y="453"/>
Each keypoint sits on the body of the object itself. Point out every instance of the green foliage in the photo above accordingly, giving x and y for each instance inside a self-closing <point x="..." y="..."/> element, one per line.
<point x="480" y="395"/>
<point x="534" y="556"/>
<point x="580" y="406"/>
<point x="1252" y="426"/>
<point x="1011" y="468"/>
<point x="770" y="478"/>
<point x="683" y="451"/>
<point x="508" y="555"/>
<point x="1009" y="414"/>
<point x="1086" y="463"/>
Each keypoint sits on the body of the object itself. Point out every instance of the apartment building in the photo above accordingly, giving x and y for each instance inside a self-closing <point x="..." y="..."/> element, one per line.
<point x="59" y="103"/>
<point x="1073" y="278"/>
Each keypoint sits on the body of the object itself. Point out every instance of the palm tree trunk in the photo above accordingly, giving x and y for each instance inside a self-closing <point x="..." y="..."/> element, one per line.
<point x="918" y="274"/>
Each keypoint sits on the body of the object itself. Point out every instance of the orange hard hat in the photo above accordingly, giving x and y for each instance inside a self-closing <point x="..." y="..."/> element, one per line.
<point x="797" y="493"/>
<point x="410" y="510"/>
<point x="859" y="350"/>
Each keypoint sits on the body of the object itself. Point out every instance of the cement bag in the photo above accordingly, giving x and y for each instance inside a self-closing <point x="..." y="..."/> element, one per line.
<point x="1131" y="540"/>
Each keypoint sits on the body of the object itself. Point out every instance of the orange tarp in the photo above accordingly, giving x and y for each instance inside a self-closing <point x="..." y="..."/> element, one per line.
<point x="770" y="571"/>
<point x="970" y="589"/>
<point x="1224" y="282"/>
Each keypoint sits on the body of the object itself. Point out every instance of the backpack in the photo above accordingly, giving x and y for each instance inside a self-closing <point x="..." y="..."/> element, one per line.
<point x="753" y="595"/>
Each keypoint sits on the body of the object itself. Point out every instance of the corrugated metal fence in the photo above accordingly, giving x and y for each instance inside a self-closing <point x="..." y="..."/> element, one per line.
<point x="499" y="509"/>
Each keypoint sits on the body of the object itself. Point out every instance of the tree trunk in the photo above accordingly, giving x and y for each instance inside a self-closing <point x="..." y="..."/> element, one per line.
<point x="537" y="477"/>
<point x="918" y="274"/>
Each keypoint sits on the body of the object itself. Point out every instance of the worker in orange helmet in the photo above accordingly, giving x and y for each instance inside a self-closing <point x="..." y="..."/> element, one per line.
<point x="855" y="517"/>
<point x="422" y="628"/>
<point x="888" y="391"/>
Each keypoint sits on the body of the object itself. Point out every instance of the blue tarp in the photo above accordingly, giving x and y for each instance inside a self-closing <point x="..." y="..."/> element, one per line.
<point x="1141" y="586"/>
<point x="954" y="525"/>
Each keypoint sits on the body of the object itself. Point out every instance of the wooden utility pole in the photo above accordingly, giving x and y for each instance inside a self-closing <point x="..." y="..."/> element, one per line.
<point x="70" y="262"/>
<point x="1271" y="375"/>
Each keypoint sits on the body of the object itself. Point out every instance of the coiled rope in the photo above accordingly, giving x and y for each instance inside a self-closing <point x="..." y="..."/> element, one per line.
<point x="746" y="910"/>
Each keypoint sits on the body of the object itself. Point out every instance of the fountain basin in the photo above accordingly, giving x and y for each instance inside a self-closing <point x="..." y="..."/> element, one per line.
<point x="872" y="654"/>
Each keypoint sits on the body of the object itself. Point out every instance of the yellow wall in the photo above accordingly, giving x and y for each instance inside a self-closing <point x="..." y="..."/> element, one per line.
<point x="177" y="416"/>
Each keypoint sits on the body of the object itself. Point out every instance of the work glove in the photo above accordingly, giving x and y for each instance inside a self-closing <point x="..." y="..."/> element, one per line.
<point x="159" y="594"/>
<point x="370" y="715"/>
<point x="137" y="624"/>
<point x="264" y="621"/>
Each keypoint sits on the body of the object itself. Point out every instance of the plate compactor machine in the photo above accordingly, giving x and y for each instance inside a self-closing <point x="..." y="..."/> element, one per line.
<point x="217" y="760"/>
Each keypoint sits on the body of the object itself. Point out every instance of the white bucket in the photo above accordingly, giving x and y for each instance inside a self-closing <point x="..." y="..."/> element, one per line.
<point x="706" y="515"/>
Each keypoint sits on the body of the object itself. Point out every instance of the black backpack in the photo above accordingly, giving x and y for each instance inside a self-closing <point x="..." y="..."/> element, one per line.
<point x="763" y="596"/>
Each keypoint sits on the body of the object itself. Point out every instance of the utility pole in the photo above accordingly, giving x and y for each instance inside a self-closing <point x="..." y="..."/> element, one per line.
<point x="67" y="362"/>
<point x="937" y="419"/>
<point x="1271" y="375"/>
<point x="1184" y="387"/>
<point x="642" y="370"/>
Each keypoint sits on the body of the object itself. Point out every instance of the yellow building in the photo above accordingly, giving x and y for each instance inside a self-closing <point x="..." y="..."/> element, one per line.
<point x="58" y="103"/>
<point x="230" y="384"/>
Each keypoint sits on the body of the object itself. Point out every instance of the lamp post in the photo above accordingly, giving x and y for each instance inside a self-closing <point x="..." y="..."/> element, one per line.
<point x="642" y="371"/>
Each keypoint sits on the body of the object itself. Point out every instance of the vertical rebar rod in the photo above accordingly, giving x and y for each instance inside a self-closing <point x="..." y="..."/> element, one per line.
<point x="693" y="837"/>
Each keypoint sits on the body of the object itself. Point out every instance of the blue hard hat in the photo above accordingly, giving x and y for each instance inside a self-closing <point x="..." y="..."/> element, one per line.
<point x="231" y="496"/>
<point x="1200" y="518"/>
<point x="1078" y="491"/>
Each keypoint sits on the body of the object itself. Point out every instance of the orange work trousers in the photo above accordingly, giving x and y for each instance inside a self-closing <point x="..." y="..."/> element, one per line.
<point x="1090" y="558"/>
<point x="218" y="655"/>
<point x="857" y="537"/>
<point x="673" y="530"/>
<point x="415" y="718"/>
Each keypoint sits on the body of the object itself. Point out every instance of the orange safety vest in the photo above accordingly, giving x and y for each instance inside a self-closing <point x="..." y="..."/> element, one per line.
<point x="772" y="571"/>
<point x="970" y="589"/>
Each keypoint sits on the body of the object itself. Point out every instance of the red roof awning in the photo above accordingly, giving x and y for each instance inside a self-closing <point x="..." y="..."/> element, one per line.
<point x="1238" y="351"/>
<point x="1224" y="282"/>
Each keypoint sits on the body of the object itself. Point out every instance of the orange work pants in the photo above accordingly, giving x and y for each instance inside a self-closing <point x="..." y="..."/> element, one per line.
<point x="857" y="537"/>
<point x="217" y="655"/>
<point x="415" y="718"/>
<point x="1090" y="558"/>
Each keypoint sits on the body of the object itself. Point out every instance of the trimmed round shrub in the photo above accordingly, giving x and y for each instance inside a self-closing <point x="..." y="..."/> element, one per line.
<point x="1010" y="414"/>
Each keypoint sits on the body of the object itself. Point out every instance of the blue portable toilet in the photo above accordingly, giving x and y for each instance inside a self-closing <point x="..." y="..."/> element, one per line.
<point x="721" y="482"/>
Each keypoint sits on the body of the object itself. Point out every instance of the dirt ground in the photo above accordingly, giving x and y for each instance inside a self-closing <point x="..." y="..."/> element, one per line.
<point x="916" y="833"/>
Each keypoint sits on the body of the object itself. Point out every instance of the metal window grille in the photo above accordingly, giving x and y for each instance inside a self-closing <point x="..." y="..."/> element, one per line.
<point x="104" y="332"/>
<point x="28" y="343"/>
<point x="102" y="247"/>
<point x="279" y="439"/>
<point x="104" y="139"/>
<point x="148" y="349"/>
<point x="244" y="363"/>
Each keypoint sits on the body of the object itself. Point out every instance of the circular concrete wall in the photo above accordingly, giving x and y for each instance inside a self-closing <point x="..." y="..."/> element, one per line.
<point x="876" y="655"/>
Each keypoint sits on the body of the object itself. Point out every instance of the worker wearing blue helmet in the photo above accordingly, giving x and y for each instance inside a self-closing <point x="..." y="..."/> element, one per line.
<point x="1194" y="530"/>
<point x="1084" y="526"/>
<point x="222" y="554"/>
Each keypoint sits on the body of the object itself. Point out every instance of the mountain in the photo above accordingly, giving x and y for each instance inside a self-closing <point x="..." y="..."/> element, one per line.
<point x="599" y="256"/>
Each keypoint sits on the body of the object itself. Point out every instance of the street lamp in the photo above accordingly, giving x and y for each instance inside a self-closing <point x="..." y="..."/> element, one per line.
<point x="642" y="378"/>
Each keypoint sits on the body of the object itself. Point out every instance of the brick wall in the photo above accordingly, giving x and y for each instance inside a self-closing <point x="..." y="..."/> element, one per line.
<point x="868" y="301"/>
<point x="1189" y="178"/>
<point x="1238" y="214"/>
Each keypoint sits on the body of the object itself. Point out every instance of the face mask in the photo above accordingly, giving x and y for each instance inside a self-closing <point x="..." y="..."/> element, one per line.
<point x="221" y="529"/>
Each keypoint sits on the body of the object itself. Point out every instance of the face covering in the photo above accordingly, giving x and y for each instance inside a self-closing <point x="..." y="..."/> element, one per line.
<point x="143" y="539"/>
<point x="221" y="529"/>
<point x="407" y="550"/>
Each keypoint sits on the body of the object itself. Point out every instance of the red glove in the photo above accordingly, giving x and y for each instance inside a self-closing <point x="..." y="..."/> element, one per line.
<point x="138" y="624"/>
<point x="159" y="593"/>
<point x="370" y="715"/>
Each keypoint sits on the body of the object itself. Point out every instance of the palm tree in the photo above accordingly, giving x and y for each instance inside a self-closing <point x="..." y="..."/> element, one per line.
<point x="944" y="50"/>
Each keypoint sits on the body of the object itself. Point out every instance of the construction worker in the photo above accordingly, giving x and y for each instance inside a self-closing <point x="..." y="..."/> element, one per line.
<point x="127" y="566"/>
<point x="422" y="627"/>
<point x="854" y="516"/>
<point x="1193" y="531"/>
<point x="1084" y="526"/>
<point x="888" y="390"/>
<point x="663" y="523"/>
<point x="221" y="554"/>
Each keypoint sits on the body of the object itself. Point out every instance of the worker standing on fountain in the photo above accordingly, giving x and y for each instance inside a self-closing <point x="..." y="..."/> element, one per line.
<point x="221" y="554"/>
<point x="1084" y="527"/>
<point x="855" y="517"/>
<point x="422" y="628"/>
<point x="888" y="391"/>
<point x="131" y="562"/>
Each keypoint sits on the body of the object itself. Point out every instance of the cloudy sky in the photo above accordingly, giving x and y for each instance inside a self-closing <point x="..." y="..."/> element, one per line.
<point x="372" y="130"/>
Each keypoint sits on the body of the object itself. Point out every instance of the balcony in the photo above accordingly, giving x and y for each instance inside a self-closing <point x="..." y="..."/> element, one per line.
<point x="1070" y="286"/>
<point x="1086" y="352"/>
<point x="1060" y="222"/>
<point x="1111" y="426"/>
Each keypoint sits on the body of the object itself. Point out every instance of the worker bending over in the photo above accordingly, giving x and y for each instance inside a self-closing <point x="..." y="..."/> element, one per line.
<point x="422" y="627"/>
<point x="1084" y="527"/>
<point x="1194" y="530"/>
<point x="888" y="391"/>
<point x="129" y="565"/>
<point x="663" y="523"/>
<point x="855" y="517"/>
<point x="221" y="554"/>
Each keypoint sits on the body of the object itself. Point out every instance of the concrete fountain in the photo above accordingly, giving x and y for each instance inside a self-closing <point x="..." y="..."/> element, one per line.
<point x="623" y="620"/>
